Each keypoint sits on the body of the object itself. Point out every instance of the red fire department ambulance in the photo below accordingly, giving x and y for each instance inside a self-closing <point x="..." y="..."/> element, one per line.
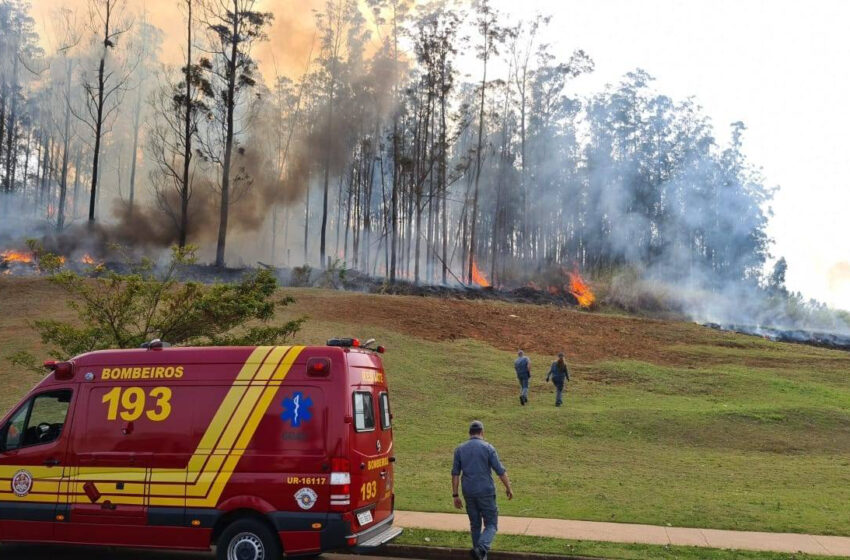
<point x="258" y="451"/>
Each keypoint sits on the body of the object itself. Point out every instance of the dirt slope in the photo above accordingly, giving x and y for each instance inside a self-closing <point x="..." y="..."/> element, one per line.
<point x="585" y="336"/>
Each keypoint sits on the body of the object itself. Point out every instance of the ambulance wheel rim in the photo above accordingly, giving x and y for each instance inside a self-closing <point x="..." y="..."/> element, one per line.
<point x="246" y="546"/>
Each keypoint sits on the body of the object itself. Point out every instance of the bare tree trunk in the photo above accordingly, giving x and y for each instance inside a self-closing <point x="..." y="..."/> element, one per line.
<point x="228" y="141"/>
<point x="78" y="162"/>
<point x="498" y="215"/>
<point x="327" y="167"/>
<point x="444" y="186"/>
<point x="54" y="183"/>
<point x="66" y="141"/>
<point x="11" y="130"/>
<point x="339" y="209"/>
<point x="14" y="168"/>
<point x="348" y="210"/>
<point x="393" y="245"/>
<point x="36" y="190"/>
<point x="307" y="220"/>
<point x="98" y="125"/>
<point x="137" y="112"/>
<point x="45" y="172"/>
<point x="3" y="95"/>
<point x="273" y="248"/>
<point x="418" y="206"/>
<point x="187" y="136"/>
<point x="27" y="153"/>
<point x="286" y="234"/>
<point x="474" y="216"/>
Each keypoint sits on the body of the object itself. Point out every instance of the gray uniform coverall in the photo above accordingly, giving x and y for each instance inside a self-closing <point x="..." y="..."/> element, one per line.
<point x="473" y="462"/>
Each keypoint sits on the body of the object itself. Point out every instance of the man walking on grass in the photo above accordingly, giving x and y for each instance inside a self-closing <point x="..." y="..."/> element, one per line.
<point x="473" y="461"/>
<point x="522" y="365"/>
<point x="559" y="373"/>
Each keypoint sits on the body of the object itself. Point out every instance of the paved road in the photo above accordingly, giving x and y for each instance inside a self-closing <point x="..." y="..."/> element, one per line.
<point x="32" y="552"/>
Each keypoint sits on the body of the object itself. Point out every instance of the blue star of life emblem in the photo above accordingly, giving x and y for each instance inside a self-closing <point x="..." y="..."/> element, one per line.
<point x="296" y="409"/>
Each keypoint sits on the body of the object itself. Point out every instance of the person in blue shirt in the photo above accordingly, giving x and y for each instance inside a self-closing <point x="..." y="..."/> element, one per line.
<point x="559" y="373"/>
<point x="474" y="460"/>
<point x="522" y="365"/>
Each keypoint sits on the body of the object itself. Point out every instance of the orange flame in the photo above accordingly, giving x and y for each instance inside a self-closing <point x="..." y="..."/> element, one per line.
<point x="11" y="255"/>
<point x="88" y="259"/>
<point x="478" y="277"/>
<point x="581" y="290"/>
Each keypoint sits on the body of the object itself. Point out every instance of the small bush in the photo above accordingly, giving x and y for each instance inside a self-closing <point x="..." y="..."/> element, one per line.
<point x="333" y="277"/>
<point x="301" y="276"/>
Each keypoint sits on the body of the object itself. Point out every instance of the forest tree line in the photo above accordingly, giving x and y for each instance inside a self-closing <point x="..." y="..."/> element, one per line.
<point x="419" y="139"/>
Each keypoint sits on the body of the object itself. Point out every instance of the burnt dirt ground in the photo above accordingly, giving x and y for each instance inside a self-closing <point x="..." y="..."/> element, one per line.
<point x="586" y="336"/>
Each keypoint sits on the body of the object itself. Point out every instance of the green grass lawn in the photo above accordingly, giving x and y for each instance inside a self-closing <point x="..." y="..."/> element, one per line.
<point x="721" y="446"/>
<point x="591" y="549"/>
<point x="706" y="430"/>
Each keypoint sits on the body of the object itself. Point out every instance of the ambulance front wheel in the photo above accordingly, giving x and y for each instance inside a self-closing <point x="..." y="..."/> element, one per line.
<point x="247" y="539"/>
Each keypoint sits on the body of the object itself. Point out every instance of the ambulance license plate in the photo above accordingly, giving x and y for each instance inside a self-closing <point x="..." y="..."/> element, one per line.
<point x="364" y="517"/>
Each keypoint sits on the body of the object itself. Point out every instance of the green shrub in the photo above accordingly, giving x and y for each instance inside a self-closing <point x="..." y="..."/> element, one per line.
<point x="125" y="310"/>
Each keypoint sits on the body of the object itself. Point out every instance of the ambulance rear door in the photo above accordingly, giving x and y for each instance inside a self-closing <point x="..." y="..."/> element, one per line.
<point x="371" y="441"/>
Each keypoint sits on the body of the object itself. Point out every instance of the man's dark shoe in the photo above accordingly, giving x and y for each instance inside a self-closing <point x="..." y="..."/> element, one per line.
<point x="482" y="554"/>
<point x="473" y="553"/>
<point x="521" y="400"/>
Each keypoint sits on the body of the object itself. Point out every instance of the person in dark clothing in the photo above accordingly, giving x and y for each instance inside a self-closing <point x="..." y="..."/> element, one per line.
<point x="473" y="462"/>
<point x="559" y="373"/>
<point x="522" y="365"/>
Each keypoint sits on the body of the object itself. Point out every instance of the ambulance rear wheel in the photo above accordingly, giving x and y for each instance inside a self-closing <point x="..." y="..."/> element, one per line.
<point x="247" y="539"/>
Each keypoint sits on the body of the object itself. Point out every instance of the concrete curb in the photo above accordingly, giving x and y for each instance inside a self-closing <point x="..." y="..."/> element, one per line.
<point x="632" y="533"/>
<point x="443" y="553"/>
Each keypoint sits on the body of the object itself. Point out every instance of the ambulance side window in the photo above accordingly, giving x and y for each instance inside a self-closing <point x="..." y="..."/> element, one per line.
<point x="15" y="428"/>
<point x="386" y="417"/>
<point x="39" y="421"/>
<point x="364" y="412"/>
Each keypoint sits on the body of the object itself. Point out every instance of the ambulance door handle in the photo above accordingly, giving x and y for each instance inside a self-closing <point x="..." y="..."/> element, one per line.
<point x="52" y="462"/>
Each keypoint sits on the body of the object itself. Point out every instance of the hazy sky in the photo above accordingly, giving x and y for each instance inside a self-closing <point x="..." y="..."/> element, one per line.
<point x="781" y="66"/>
